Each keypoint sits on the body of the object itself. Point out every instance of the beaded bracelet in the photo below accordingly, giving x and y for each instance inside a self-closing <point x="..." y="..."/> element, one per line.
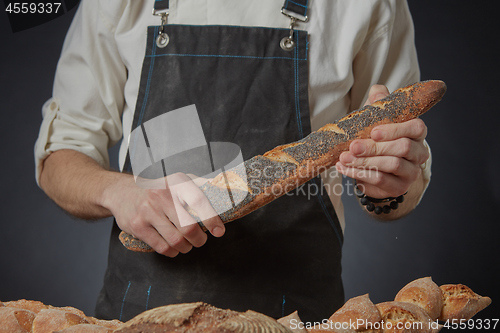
<point x="393" y="202"/>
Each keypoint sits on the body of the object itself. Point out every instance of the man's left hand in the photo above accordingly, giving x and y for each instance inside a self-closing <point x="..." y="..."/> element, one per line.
<point x="389" y="163"/>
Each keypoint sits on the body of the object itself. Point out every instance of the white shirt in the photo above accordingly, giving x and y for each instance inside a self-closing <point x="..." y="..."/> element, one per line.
<point x="353" y="44"/>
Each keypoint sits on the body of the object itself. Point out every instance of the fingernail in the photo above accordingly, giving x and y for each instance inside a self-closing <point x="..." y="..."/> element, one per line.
<point x="218" y="231"/>
<point x="346" y="158"/>
<point x="377" y="134"/>
<point x="358" y="148"/>
<point x="380" y="96"/>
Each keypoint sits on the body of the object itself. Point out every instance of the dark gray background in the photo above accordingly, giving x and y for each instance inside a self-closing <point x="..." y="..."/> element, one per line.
<point x="48" y="256"/>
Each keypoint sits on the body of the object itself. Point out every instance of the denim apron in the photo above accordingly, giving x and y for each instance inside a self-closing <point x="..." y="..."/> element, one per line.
<point x="251" y="91"/>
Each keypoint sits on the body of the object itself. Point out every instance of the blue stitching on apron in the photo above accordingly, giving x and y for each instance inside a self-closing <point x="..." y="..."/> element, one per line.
<point x="297" y="101"/>
<point x="221" y="56"/>
<point x="325" y="209"/>
<point x="123" y="301"/>
<point x="146" y="94"/>
<point x="151" y="66"/>
<point x="299" y="122"/>
<point x="283" y="307"/>
<point x="147" y="300"/>
<point x="298" y="4"/>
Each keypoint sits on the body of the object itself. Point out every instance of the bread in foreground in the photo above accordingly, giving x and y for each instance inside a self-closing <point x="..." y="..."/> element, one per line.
<point x="460" y="302"/>
<point x="424" y="293"/>
<point x="200" y="317"/>
<point x="358" y="314"/>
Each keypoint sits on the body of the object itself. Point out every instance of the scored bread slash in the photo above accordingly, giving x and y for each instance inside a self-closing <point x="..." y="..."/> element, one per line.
<point x="286" y="167"/>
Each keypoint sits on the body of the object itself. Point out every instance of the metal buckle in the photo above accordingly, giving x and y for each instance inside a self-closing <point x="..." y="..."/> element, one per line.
<point x="293" y="15"/>
<point x="162" y="39"/>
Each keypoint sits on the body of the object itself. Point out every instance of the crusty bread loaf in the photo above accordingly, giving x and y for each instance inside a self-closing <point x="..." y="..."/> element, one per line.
<point x="202" y="318"/>
<point x="86" y="328"/>
<point x="13" y="320"/>
<point x="292" y="321"/>
<point x="51" y="320"/>
<point x="35" y="316"/>
<point x="33" y="306"/>
<point x="424" y="293"/>
<point x="264" y="178"/>
<point x="460" y="302"/>
<point x="111" y="324"/>
<point x="402" y="317"/>
<point x="324" y="330"/>
<point x="358" y="311"/>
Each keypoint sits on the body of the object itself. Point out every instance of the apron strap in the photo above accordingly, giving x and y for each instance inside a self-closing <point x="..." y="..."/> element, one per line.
<point x="296" y="9"/>
<point x="160" y="6"/>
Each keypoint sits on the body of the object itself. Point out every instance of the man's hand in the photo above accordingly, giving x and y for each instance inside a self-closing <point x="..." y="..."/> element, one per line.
<point x="156" y="216"/>
<point x="159" y="217"/>
<point x="388" y="164"/>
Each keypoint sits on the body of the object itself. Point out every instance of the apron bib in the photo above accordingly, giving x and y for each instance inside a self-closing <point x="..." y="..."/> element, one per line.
<point x="283" y="257"/>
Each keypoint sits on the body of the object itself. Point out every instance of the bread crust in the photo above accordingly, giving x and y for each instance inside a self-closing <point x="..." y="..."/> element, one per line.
<point x="202" y="318"/>
<point x="360" y="307"/>
<point x="289" y="166"/>
<point x="402" y="317"/>
<point x="51" y="320"/>
<point x="424" y="293"/>
<point x="460" y="302"/>
<point x="86" y="328"/>
<point x="13" y="320"/>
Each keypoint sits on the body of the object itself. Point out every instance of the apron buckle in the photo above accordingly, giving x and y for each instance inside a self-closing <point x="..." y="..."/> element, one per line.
<point x="162" y="39"/>
<point x="287" y="43"/>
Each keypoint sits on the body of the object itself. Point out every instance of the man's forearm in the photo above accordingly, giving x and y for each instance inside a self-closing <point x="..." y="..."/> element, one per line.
<point x="76" y="183"/>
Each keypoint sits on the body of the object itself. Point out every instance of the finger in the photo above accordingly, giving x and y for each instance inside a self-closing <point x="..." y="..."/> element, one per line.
<point x="188" y="226"/>
<point x="173" y="236"/>
<point x="387" y="164"/>
<point x="152" y="237"/>
<point x="190" y="194"/>
<point x="414" y="129"/>
<point x="199" y="181"/>
<point x="413" y="151"/>
<point x="377" y="184"/>
<point x="377" y="92"/>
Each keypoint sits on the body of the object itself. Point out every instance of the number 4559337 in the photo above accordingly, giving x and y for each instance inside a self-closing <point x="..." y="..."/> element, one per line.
<point x="480" y="324"/>
<point x="33" y="8"/>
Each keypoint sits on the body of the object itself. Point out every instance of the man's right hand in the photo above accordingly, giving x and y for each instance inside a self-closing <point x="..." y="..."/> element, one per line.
<point x="158" y="217"/>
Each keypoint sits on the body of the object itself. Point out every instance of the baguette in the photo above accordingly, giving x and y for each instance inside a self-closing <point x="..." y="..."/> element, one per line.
<point x="264" y="178"/>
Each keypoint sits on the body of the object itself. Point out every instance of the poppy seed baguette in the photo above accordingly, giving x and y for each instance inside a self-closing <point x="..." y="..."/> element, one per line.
<point x="286" y="167"/>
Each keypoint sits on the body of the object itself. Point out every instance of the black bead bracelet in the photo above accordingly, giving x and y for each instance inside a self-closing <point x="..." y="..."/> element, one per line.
<point x="393" y="202"/>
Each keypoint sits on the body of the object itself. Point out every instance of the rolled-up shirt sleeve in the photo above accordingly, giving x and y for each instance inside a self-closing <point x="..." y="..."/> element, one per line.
<point x="84" y="113"/>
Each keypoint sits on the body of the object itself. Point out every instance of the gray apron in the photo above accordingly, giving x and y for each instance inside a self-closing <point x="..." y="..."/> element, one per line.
<point x="251" y="92"/>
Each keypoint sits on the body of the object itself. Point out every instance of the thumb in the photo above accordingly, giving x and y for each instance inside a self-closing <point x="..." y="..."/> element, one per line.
<point x="377" y="92"/>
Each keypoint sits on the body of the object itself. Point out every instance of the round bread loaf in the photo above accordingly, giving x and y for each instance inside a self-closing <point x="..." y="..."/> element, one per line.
<point x="424" y="293"/>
